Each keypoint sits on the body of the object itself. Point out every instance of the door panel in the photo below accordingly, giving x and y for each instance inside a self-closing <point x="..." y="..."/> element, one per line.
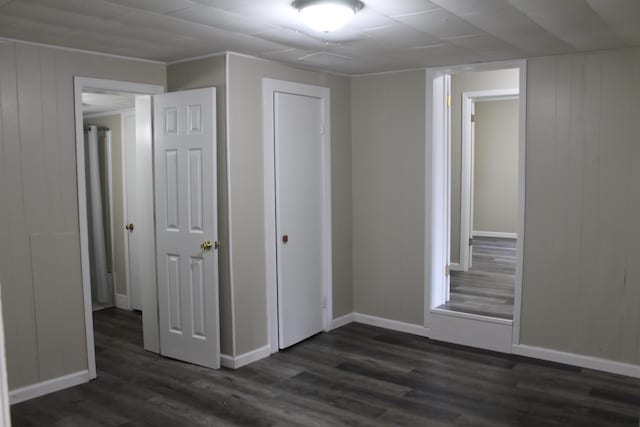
<point x="298" y="162"/>
<point x="185" y="162"/>
<point x="144" y="222"/>
<point x="131" y="215"/>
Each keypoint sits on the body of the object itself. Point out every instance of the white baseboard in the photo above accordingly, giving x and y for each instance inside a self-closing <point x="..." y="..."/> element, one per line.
<point x="341" y="321"/>
<point x="245" y="358"/>
<point x="498" y="234"/>
<point x="123" y="301"/>
<point x="227" y="361"/>
<point x="579" y="360"/>
<point x="40" y="389"/>
<point x="394" y="325"/>
<point x="455" y="266"/>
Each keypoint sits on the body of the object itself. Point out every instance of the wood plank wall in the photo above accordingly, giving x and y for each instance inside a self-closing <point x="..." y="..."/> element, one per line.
<point x="581" y="288"/>
<point x="43" y="310"/>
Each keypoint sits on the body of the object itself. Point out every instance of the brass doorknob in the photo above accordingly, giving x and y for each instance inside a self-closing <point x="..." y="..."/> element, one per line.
<point x="129" y="227"/>
<point x="206" y="246"/>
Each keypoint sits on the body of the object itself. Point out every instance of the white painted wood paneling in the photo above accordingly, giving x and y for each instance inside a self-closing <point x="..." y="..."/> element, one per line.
<point x="581" y="284"/>
<point x="39" y="204"/>
<point x="58" y="303"/>
<point x="15" y="274"/>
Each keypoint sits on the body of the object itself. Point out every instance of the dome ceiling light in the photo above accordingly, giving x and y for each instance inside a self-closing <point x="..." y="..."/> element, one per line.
<point x="327" y="15"/>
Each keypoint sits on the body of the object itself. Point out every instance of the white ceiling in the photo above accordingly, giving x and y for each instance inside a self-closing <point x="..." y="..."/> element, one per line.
<point x="385" y="35"/>
<point x="97" y="101"/>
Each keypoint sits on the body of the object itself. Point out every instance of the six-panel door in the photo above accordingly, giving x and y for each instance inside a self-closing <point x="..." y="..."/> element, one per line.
<point x="186" y="225"/>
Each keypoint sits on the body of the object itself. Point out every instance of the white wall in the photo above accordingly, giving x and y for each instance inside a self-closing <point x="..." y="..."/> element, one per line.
<point x="246" y="189"/>
<point x="39" y="236"/>
<point x="581" y="289"/>
<point x="195" y="74"/>
<point x="388" y="145"/>
<point x="495" y="170"/>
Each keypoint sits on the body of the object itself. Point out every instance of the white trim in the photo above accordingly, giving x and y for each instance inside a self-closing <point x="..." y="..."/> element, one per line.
<point x="470" y="330"/>
<point x="579" y="360"/>
<point x="229" y="243"/>
<point x="125" y="211"/>
<point x="437" y="201"/>
<point x="109" y="166"/>
<point x="106" y="113"/>
<point x="455" y="266"/>
<point x="226" y="361"/>
<point x="245" y="358"/>
<point x="269" y="86"/>
<point x="342" y="320"/>
<point x="394" y="325"/>
<point x="522" y="173"/>
<point x="91" y="52"/>
<point x="195" y="58"/>
<point x="466" y="181"/>
<point x="122" y="301"/>
<point x="477" y="317"/>
<point x="50" y="386"/>
<point x="5" y="398"/>
<point x="497" y="234"/>
<point x="79" y="84"/>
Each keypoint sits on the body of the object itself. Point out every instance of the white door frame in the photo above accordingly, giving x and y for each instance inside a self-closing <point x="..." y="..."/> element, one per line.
<point x="81" y="83"/>
<point x="269" y="87"/>
<point x="127" y="301"/>
<point x="437" y="230"/>
<point x="466" y="190"/>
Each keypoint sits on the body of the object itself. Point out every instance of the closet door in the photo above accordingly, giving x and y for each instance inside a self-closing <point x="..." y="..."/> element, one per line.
<point x="298" y="126"/>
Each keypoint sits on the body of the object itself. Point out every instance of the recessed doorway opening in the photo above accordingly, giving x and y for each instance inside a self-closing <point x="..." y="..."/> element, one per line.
<point x="477" y="131"/>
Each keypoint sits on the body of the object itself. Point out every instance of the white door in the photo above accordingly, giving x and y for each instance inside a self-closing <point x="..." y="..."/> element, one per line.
<point x="298" y="130"/>
<point x="132" y="249"/>
<point x="186" y="225"/>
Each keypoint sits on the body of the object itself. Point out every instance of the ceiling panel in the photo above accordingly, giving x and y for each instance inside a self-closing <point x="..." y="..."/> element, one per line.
<point x="385" y="35"/>
<point x="221" y="19"/>
<point x="158" y="6"/>
<point x="95" y="8"/>
<point x="439" y="23"/>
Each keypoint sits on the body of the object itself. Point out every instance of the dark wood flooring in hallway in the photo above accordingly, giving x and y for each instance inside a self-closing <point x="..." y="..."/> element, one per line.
<point x="356" y="375"/>
<point x="488" y="287"/>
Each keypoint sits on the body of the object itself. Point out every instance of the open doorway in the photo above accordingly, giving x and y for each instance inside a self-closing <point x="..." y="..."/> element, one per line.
<point x="163" y="265"/>
<point x="477" y="187"/>
<point x="109" y="138"/>
<point x="115" y="198"/>
<point x="484" y="195"/>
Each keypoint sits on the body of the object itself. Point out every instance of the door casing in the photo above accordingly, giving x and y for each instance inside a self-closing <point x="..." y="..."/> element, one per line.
<point x="151" y="327"/>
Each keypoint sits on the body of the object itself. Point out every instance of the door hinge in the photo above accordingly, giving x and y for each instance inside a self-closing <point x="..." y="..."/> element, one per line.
<point x="473" y="118"/>
<point x="324" y="302"/>
<point x="447" y="270"/>
<point x="470" y="241"/>
<point x="448" y="98"/>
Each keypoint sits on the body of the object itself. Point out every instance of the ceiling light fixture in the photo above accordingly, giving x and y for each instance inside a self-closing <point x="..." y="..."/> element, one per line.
<point x="327" y="15"/>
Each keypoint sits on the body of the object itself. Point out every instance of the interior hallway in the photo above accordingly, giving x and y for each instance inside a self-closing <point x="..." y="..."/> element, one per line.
<point x="355" y="375"/>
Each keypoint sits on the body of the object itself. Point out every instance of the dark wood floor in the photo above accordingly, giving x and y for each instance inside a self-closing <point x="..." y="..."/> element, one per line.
<point x="357" y="375"/>
<point x="488" y="287"/>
